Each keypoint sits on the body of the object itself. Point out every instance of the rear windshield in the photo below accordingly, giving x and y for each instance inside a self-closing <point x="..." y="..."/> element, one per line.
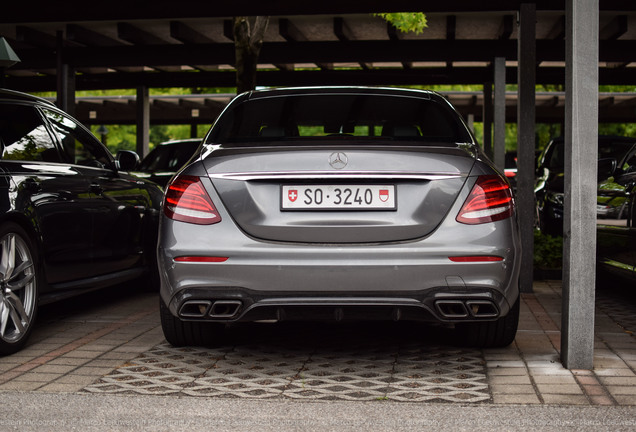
<point x="337" y="116"/>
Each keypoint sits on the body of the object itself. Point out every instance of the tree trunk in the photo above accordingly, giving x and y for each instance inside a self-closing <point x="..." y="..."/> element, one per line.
<point x="248" y="42"/>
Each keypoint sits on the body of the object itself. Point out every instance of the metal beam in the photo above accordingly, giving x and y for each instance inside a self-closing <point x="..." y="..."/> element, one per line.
<point x="289" y="52"/>
<point x="499" y="105"/>
<point x="526" y="139"/>
<point x="143" y="121"/>
<point x="178" y="109"/>
<point x="65" y="79"/>
<point x="619" y="51"/>
<point x="487" y="118"/>
<point x="76" y="10"/>
<point x="415" y="76"/>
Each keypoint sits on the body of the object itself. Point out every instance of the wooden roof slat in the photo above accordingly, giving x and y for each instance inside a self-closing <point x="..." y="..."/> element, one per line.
<point x="186" y="34"/>
<point x="616" y="28"/>
<point x="87" y="37"/>
<point x="136" y="35"/>
<point x="507" y="27"/>
<point x="373" y="52"/>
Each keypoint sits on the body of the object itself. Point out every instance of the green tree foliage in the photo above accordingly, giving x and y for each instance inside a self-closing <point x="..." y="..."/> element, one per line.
<point x="406" y="21"/>
<point x="124" y="137"/>
<point x="623" y="129"/>
<point x="119" y="137"/>
<point x="548" y="251"/>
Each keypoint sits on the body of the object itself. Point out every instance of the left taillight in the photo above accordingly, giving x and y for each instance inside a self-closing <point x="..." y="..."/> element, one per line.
<point x="186" y="200"/>
<point x="490" y="200"/>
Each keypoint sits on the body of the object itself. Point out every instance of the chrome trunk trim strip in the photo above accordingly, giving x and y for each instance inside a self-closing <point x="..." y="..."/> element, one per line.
<point x="307" y="175"/>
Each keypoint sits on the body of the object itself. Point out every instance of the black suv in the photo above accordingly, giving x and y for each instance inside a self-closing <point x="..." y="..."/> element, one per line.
<point x="615" y="202"/>
<point x="166" y="159"/>
<point x="71" y="218"/>
<point x="549" y="182"/>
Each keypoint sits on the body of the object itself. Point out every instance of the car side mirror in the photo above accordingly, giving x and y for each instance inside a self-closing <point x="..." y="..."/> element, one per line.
<point x="126" y="160"/>
<point x="606" y="168"/>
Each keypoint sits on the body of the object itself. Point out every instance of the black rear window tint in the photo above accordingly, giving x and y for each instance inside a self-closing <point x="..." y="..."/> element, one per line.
<point x="322" y="116"/>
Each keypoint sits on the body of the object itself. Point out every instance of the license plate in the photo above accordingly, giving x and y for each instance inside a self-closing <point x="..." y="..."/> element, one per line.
<point x="338" y="197"/>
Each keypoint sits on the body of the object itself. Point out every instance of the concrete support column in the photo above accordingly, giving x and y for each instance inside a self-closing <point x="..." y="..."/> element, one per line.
<point x="487" y="119"/>
<point x="499" y="146"/>
<point x="526" y="54"/>
<point x="143" y="120"/>
<point x="581" y="153"/>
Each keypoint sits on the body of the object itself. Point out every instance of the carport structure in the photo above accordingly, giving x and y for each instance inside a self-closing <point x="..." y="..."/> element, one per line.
<point x="68" y="46"/>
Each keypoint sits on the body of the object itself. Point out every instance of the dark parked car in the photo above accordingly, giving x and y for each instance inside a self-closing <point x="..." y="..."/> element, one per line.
<point x="549" y="185"/>
<point x="166" y="159"/>
<point x="71" y="218"/>
<point x="338" y="204"/>
<point x="616" y="216"/>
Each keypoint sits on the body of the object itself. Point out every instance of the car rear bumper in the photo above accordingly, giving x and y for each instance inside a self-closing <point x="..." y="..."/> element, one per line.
<point x="235" y="304"/>
<point x="411" y="280"/>
<point x="395" y="282"/>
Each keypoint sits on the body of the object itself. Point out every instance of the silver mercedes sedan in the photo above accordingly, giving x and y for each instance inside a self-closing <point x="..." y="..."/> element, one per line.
<point x="339" y="203"/>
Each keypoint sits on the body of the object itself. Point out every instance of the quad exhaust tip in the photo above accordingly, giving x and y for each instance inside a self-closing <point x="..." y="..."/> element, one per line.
<point x="458" y="309"/>
<point x="449" y="309"/>
<point x="210" y="309"/>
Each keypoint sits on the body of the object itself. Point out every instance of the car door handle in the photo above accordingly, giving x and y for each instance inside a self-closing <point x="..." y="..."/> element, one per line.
<point x="96" y="188"/>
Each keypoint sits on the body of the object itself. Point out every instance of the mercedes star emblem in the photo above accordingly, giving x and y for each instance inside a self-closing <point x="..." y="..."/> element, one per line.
<point x="338" y="160"/>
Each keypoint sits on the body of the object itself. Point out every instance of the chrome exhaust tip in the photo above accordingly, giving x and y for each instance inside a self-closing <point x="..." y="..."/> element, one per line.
<point x="225" y="308"/>
<point x="466" y="309"/>
<point x="195" y="309"/>
<point x="452" y="309"/>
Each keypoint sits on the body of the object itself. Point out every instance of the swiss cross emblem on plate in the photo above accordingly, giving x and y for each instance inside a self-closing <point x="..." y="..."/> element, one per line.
<point x="292" y="195"/>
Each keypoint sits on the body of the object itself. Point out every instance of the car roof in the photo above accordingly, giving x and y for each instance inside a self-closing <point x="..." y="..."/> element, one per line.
<point x="386" y="91"/>
<point x="180" y="141"/>
<point x="603" y="138"/>
<point x="19" y="96"/>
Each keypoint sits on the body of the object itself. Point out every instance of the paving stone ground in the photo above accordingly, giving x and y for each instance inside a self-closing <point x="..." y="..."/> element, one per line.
<point x="111" y="342"/>
<point x="306" y="361"/>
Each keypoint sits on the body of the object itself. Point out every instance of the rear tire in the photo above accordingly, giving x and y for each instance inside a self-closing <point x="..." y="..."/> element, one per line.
<point x="491" y="334"/>
<point x="19" y="282"/>
<point x="187" y="333"/>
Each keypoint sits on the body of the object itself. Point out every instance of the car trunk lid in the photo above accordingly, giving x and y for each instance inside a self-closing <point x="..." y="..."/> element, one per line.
<point x="385" y="195"/>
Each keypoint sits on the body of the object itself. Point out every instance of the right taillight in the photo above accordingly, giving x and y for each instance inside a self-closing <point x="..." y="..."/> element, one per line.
<point x="186" y="200"/>
<point x="490" y="200"/>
